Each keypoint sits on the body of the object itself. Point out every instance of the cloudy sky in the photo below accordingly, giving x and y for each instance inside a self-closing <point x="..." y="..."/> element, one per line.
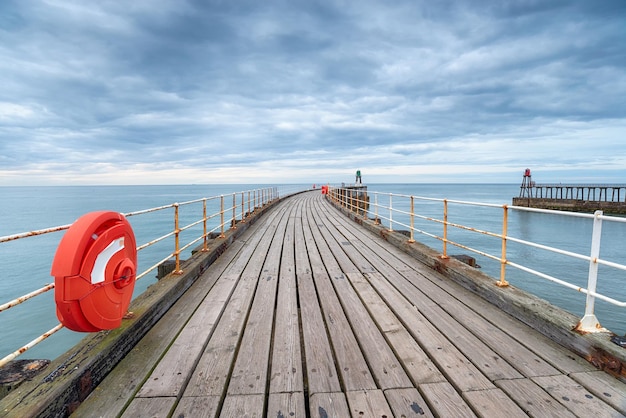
<point x="229" y="91"/>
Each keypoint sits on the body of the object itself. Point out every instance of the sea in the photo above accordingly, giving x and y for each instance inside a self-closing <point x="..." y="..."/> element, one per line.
<point x="25" y="264"/>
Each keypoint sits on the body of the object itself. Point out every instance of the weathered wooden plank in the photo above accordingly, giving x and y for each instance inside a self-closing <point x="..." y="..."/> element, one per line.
<point x="575" y="397"/>
<point x="321" y="370"/>
<point x="286" y="374"/>
<point x="532" y="399"/>
<point x="368" y="403"/>
<point x="243" y="406"/>
<point x="149" y="408"/>
<point x="444" y="401"/>
<point x="494" y="351"/>
<point x="449" y="360"/>
<point x="174" y="369"/>
<point x="465" y="341"/>
<point x="482" y="342"/>
<point x="120" y="385"/>
<point x="328" y="405"/>
<point x="382" y="361"/>
<point x="493" y="403"/>
<point x="550" y="351"/>
<point x="605" y="387"/>
<point x="212" y="372"/>
<point x="197" y="407"/>
<point x="286" y="405"/>
<point x="415" y="361"/>
<point x="351" y="363"/>
<point x="249" y="374"/>
<point x="408" y="403"/>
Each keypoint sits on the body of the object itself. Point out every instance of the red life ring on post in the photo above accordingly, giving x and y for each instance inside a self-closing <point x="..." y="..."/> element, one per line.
<point x="94" y="271"/>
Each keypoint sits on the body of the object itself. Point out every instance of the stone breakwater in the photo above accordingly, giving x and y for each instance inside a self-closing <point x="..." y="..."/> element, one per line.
<point x="574" y="205"/>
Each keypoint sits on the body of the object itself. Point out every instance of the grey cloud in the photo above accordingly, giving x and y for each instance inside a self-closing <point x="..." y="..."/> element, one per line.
<point x="243" y="84"/>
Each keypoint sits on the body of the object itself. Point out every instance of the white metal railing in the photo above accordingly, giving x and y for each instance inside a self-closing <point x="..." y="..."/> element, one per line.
<point x="403" y="207"/>
<point x="216" y="215"/>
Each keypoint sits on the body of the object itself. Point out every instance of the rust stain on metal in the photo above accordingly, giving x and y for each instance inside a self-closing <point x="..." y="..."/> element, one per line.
<point x="33" y="233"/>
<point x="608" y="363"/>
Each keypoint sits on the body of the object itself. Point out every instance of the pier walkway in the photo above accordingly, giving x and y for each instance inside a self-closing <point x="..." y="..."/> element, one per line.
<point x="309" y="315"/>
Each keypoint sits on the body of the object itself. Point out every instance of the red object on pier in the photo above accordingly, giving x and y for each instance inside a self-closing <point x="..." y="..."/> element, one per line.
<point x="94" y="271"/>
<point x="324" y="189"/>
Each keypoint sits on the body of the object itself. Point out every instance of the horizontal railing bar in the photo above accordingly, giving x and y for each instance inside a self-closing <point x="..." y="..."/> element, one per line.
<point x="24" y="298"/>
<point x="30" y="345"/>
<point x="21" y="235"/>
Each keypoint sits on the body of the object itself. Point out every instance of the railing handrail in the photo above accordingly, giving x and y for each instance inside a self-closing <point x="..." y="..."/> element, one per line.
<point x="589" y="323"/>
<point x="255" y="198"/>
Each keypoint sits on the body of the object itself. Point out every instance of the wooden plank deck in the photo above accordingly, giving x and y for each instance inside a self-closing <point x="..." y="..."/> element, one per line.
<point x="308" y="315"/>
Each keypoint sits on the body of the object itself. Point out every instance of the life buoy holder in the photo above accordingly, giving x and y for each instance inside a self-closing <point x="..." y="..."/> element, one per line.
<point x="94" y="271"/>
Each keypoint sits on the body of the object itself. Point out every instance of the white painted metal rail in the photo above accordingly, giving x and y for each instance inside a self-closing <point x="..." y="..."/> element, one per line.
<point x="399" y="213"/>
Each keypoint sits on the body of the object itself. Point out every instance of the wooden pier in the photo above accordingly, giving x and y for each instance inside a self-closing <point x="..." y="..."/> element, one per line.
<point x="307" y="314"/>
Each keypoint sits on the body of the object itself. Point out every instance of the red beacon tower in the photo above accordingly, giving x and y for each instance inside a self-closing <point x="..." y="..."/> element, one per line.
<point x="527" y="184"/>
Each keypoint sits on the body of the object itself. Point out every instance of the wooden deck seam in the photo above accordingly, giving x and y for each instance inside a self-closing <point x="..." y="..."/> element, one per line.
<point x="229" y="390"/>
<point x="403" y="380"/>
<point x="332" y="382"/>
<point x="322" y="279"/>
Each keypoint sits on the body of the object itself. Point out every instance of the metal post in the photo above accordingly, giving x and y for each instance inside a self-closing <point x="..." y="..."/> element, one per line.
<point x="243" y="207"/>
<point x="445" y="228"/>
<point x="205" y="248"/>
<point x="505" y="222"/>
<point x="234" y="226"/>
<point x="177" y="269"/>
<point x="589" y="322"/>
<point x="412" y="240"/>
<point x="390" y="211"/>
<point x="222" y="216"/>
<point x="376" y="209"/>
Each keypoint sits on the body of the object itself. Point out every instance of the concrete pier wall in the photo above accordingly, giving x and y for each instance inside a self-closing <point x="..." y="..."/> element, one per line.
<point x="573" y="205"/>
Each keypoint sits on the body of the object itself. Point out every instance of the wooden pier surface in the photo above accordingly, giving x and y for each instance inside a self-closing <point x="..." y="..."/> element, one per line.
<point x="310" y="315"/>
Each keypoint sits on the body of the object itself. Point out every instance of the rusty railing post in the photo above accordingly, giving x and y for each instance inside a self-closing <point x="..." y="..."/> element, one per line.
<point x="391" y="211"/>
<point x="222" y="235"/>
<point x="412" y="239"/>
<point x="445" y="229"/>
<point x="505" y="228"/>
<point x="243" y="207"/>
<point x="589" y="322"/>
<point x="205" y="247"/>
<point x="177" y="269"/>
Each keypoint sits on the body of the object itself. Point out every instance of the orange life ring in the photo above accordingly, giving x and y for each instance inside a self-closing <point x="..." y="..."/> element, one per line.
<point x="94" y="271"/>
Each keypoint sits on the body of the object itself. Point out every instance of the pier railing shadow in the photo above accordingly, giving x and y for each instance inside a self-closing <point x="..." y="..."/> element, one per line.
<point x="483" y="229"/>
<point x="192" y="226"/>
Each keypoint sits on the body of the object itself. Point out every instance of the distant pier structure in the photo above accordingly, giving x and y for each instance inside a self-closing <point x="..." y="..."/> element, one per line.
<point x="354" y="196"/>
<point x="610" y="198"/>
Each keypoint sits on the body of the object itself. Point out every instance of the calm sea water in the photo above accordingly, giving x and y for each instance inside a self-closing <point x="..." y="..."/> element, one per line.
<point x="25" y="264"/>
